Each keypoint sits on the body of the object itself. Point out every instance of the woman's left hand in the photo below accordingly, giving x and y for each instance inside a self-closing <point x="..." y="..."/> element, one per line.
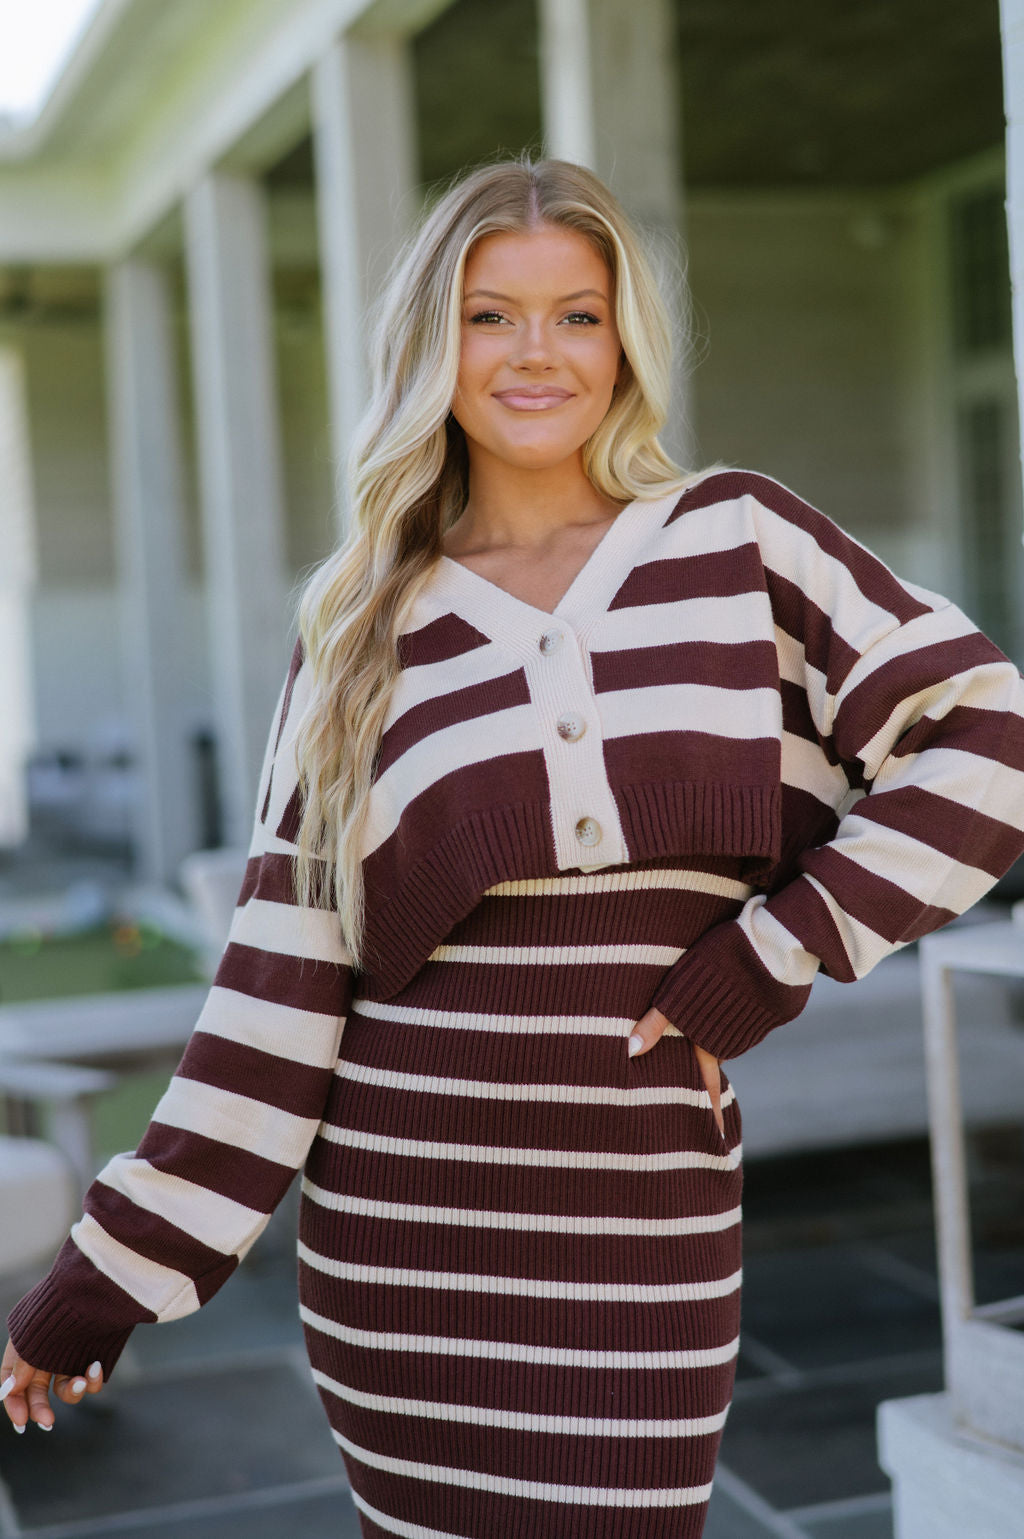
<point x="647" y="1032"/>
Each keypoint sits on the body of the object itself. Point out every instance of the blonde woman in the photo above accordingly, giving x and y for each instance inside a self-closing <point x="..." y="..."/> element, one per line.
<point x="583" y="768"/>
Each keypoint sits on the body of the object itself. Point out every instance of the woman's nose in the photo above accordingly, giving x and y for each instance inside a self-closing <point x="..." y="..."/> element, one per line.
<point x="534" y="347"/>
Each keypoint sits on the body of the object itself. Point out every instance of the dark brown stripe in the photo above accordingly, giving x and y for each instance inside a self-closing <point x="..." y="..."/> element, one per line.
<point x="879" y="904"/>
<point x="948" y="826"/>
<point x="450" y="708"/>
<point x="273" y="1081"/>
<point x="149" y="1235"/>
<point x="713" y="574"/>
<point x="722" y="665"/>
<point x="302" y="983"/>
<point x="444" y="638"/>
<point x="246" y="1178"/>
<point x="871" y="576"/>
<point x="869" y="706"/>
<point x="997" y="735"/>
<point x="797" y="615"/>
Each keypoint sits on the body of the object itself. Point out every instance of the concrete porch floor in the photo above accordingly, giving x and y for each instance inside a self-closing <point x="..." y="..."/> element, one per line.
<point x="212" y="1430"/>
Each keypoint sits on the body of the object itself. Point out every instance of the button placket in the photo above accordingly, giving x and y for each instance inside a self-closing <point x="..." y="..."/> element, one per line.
<point x="585" y="818"/>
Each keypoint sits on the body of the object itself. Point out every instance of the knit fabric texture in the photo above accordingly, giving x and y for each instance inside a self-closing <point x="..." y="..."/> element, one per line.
<point x="738" y="750"/>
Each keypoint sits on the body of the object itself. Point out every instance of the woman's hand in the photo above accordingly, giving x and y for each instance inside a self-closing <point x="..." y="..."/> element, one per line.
<point x="25" y="1390"/>
<point x="647" y="1032"/>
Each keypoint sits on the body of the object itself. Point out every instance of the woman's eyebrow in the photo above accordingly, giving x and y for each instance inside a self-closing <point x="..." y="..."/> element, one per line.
<point x="580" y="294"/>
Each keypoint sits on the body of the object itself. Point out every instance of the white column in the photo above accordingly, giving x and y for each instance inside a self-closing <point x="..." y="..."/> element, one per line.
<point x="146" y="467"/>
<point x="1012" y="12"/>
<point x="365" y="178"/>
<point x="237" y="433"/>
<point x="17" y="579"/>
<point x="610" y="100"/>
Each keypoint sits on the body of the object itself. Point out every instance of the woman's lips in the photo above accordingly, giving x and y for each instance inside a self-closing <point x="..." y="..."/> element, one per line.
<point x="530" y="400"/>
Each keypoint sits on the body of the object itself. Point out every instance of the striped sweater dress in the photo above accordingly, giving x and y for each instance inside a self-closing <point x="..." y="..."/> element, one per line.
<point x="739" y="750"/>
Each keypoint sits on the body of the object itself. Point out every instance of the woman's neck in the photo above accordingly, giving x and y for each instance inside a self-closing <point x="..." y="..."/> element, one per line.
<point x="511" y="508"/>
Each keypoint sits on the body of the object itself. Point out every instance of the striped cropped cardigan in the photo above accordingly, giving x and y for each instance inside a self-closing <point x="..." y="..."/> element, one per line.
<point x="730" y="677"/>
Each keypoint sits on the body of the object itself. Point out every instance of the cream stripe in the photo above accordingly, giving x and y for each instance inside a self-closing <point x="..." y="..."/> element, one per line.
<point x="549" y="1223"/>
<point x="522" y="1421"/>
<point x="546" y="956"/>
<point x="286" y="929"/>
<point x="488" y="1090"/>
<point x="237" y="1120"/>
<point x="543" y="1355"/>
<point x="521" y="1287"/>
<point x="561" y="1159"/>
<point x="167" y="1293"/>
<point x="535" y="1490"/>
<point x="620" y="881"/>
<point x="216" y="1221"/>
<point x="284" y="1031"/>
<point x="520" y="1025"/>
<point x="399" y="1526"/>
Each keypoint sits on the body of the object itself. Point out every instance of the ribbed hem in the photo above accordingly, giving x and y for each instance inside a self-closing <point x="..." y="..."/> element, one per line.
<point x="49" y="1333"/>
<point x="702" y="1000"/>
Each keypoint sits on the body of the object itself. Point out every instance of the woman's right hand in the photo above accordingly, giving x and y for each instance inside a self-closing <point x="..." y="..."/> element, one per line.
<point x="25" y="1390"/>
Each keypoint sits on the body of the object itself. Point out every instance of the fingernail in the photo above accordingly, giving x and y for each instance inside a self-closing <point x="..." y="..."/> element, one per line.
<point x="14" y="1424"/>
<point x="94" y="1371"/>
<point x="79" y="1387"/>
<point x="7" y="1386"/>
<point x="635" y="1044"/>
<point x="45" y="1426"/>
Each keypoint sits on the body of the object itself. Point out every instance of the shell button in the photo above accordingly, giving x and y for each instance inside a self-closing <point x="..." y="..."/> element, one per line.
<point x="550" y="642"/>
<point x="571" y="727"/>
<point x="588" y="831"/>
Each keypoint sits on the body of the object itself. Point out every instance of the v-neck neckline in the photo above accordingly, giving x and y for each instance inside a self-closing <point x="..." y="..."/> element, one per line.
<point x="494" y="609"/>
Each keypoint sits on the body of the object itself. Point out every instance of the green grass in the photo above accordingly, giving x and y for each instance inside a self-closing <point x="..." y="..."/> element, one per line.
<point x="118" y="955"/>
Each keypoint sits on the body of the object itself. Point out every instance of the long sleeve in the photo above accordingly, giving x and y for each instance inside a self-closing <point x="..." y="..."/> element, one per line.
<point x="894" y="692"/>
<point x="164" y="1227"/>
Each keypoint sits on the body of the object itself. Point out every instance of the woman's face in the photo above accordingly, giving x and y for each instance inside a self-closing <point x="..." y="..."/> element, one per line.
<point x="540" y="347"/>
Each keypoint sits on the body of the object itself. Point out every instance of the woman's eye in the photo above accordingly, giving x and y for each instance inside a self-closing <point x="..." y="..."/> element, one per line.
<point x="584" y="316"/>
<point x="486" y="317"/>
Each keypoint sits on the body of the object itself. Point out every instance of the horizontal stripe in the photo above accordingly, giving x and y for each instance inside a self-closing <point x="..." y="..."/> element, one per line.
<point x="286" y="929"/>
<point x="569" y="1094"/>
<point x="545" y="1355"/>
<point x="215" y="1221"/>
<point x="399" y="1526"/>
<point x="296" y="981"/>
<point x="558" y="1159"/>
<point x="521" y="1287"/>
<point x="547" y="956"/>
<point x="517" y="1025"/>
<point x="533" y="1490"/>
<point x="522" y="1421"/>
<point x="235" y="1119"/>
<point x="588" y="882"/>
<point x="551" y="1223"/>
<point x="167" y="1293"/>
<point x="291" y="1036"/>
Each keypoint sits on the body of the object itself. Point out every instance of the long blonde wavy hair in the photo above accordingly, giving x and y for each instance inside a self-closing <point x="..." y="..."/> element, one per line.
<point x="408" y="481"/>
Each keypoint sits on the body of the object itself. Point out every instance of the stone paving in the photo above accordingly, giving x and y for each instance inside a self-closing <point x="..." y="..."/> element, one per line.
<point x="212" y="1430"/>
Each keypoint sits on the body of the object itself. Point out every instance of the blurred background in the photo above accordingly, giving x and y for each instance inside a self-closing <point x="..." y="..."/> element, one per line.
<point x="198" y="199"/>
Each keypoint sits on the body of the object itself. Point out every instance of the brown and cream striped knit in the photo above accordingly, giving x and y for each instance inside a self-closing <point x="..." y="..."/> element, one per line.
<point x="738" y="750"/>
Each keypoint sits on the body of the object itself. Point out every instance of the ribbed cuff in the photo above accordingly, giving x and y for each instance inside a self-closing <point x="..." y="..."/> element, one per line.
<point x="702" y="1000"/>
<point x="49" y="1333"/>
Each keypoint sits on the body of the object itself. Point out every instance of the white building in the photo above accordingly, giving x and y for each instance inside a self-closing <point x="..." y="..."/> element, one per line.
<point x="189" y="231"/>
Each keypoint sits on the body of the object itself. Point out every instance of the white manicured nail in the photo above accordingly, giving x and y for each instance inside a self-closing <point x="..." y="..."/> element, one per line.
<point x="45" y="1426"/>
<point x="7" y="1386"/>
<point x="79" y="1387"/>
<point x="635" y="1044"/>
<point x="14" y="1424"/>
<point x="94" y="1371"/>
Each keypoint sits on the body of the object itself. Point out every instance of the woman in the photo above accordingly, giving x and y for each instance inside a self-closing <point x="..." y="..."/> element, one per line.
<point x="583" y="767"/>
